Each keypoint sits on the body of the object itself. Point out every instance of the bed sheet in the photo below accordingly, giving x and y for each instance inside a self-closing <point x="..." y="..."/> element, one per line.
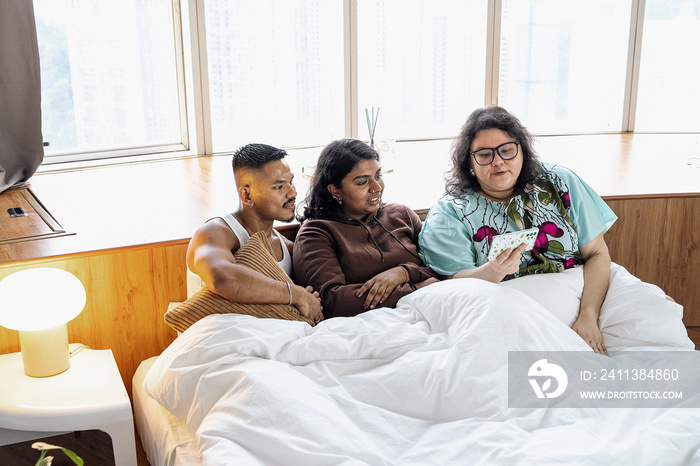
<point x="425" y="383"/>
<point x="164" y="437"/>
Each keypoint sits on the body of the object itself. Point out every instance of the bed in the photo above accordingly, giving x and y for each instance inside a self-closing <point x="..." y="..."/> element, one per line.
<point x="425" y="383"/>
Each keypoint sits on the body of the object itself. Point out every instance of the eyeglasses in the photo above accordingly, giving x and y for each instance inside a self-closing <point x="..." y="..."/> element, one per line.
<point x="506" y="151"/>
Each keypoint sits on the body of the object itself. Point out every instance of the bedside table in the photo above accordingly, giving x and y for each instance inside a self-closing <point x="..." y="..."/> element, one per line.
<point x="89" y="395"/>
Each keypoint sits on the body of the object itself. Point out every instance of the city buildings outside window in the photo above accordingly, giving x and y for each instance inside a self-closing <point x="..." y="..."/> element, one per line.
<point x="300" y="73"/>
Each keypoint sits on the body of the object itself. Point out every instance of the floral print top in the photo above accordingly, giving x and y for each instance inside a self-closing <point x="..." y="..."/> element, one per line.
<point x="568" y="213"/>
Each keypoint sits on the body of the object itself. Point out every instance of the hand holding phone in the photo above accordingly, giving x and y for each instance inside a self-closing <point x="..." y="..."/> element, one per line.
<point x="512" y="240"/>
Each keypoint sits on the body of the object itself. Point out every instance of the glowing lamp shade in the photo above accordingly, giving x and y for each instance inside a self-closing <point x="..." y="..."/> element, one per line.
<point x="38" y="303"/>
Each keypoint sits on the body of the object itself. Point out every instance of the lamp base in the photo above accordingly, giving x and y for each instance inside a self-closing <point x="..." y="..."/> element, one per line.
<point x="45" y="352"/>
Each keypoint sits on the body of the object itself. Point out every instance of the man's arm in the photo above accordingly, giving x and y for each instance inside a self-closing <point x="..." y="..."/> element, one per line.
<point x="210" y="255"/>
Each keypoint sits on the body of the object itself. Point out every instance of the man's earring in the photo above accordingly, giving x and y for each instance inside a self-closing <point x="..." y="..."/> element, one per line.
<point x="250" y="203"/>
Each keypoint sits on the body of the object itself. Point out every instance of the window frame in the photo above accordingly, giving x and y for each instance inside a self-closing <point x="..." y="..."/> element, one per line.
<point x="77" y="159"/>
<point x="193" y="84"/>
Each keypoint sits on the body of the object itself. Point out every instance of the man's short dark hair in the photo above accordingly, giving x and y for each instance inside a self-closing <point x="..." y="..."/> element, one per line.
<point x="255" y="156"/>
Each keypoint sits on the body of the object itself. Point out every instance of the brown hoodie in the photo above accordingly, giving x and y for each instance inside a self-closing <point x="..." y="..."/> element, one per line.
<point x="336" y="257"/>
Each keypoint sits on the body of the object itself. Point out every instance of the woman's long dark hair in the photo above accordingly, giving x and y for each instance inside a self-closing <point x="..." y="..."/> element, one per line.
<point x="461" y="179"/>
<point x="336" y="160"/>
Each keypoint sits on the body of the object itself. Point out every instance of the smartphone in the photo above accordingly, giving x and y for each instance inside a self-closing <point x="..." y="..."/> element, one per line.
<point x="512" y="240"/>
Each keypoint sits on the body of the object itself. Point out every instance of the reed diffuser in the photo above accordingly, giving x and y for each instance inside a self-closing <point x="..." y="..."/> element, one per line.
<point x="372" y="123"/>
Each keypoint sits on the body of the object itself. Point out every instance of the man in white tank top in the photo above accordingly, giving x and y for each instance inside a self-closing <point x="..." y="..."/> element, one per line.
<point x="266" y="193"/>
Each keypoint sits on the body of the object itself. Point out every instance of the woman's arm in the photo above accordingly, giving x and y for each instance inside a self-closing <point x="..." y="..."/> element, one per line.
<point x="379" y="288"/>
<point x="596" y="278"/>
<point x="446" y="243"/>
<point x="496" y="269"/>
<point x="317" y="265"/>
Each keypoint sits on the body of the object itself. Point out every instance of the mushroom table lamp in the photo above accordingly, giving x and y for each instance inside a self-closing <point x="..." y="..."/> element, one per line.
<point x="38" y="303"/>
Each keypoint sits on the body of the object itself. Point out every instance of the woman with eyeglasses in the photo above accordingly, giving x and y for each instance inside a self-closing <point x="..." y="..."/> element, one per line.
<point x="497" y="185"/>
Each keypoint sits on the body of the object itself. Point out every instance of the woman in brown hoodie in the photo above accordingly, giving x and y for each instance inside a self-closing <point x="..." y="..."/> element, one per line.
<point x="357" y="252"/>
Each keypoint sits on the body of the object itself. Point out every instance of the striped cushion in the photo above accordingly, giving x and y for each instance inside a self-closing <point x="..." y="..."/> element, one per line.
<point x="257" y="254"/>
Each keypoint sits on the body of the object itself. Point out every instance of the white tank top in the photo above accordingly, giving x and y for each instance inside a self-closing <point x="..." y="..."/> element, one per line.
<point x="243" y="236"/>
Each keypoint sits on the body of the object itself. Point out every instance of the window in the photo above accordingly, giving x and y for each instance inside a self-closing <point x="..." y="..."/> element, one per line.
<point x="118" y="78"/>
<point x="422" y="62"/>
<point x="668" y="94"/>
<point x="563" y="64"/>
<point x="109" y="80"/>
<point x="275" y="72"/>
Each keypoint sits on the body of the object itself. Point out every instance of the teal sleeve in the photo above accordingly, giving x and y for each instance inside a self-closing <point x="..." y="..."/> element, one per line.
<point x="588" y="211"/>
<point x="445" y="242"/>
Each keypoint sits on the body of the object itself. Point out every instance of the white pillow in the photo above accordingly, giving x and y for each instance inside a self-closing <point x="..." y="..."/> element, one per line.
<point x="559" y="293"/>
<point x="634" y="313"/>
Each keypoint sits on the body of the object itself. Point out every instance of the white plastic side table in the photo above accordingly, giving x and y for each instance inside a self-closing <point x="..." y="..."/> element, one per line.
<point x="90" y="395"/>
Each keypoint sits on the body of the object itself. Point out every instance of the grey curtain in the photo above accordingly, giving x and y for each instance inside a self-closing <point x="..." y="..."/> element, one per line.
<point x="21" y="146"/>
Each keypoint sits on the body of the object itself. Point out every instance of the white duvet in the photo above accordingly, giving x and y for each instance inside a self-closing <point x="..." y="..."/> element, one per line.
<point x="422" y="384"/>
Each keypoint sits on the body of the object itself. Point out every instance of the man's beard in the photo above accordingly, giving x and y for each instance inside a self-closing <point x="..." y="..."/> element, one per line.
<point x="291" y="201"/>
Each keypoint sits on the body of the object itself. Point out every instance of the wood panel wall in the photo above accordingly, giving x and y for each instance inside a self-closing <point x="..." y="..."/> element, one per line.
<point x="658" y="240"/>
<point x="128" y="290"/>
